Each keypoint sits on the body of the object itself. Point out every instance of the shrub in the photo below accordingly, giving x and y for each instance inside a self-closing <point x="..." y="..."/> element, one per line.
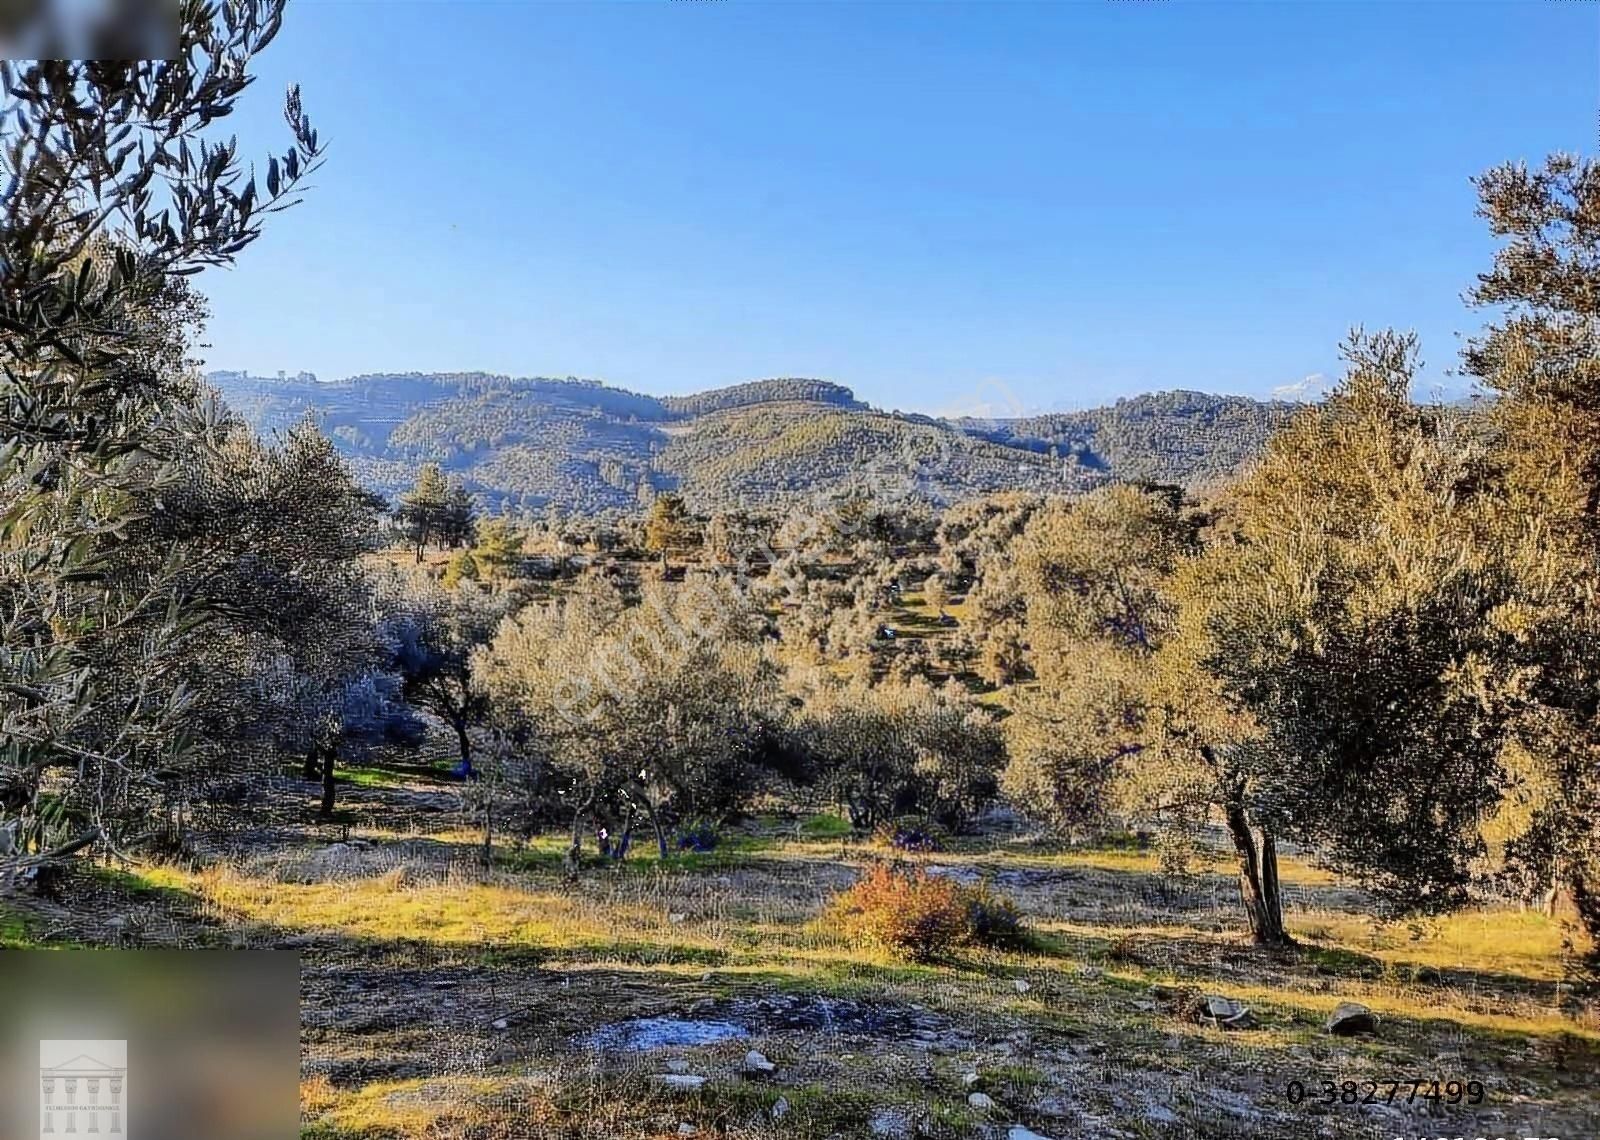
<point x="912" y="914"/>
<point x="995" y="919"/>
<point x="923" y="917"/>
<point x="697" y="835"/>
<point x="910" y="833"/>
<point x="1123" y="948"/>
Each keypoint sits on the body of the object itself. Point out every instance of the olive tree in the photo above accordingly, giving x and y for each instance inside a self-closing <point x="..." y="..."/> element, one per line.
<point x="117" y="188"/>
<point x="901" y="747"/>
<point x="1541" y="359"/>
<point x="1322" y="669"/>
<point x="652" y="713"/>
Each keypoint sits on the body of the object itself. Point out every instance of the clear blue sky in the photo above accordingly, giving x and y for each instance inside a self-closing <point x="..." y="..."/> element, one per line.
<point x="942" y="206"/>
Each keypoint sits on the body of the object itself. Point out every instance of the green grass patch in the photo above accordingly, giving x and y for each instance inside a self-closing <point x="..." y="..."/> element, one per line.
<point x="826" y="825"/>
<point x="398" y="773"/>
<point x="13" y="931"/>
<point x="136" y="886"/>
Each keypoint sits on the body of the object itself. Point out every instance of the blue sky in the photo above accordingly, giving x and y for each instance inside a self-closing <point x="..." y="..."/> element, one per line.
<point x="947" y="207"/>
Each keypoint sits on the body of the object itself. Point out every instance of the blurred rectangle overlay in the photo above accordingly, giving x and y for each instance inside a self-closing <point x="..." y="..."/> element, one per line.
<point x="88" y="29"/>
<point x="213" y="1037"/>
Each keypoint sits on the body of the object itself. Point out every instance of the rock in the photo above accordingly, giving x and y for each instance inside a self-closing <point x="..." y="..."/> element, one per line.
<point x="1350" y="1018"/>
<point x="890" y="1123"/>
<point x="971" y="1081"/>
<point x="1093" y="973"/>
<point x="1022" y="985"/>
<point x="1020" y="1133"/>
<point x="681" y="1082"/>
<point x="983" y="1102"/>
<point x="756" y="1062"/>
<point x="1235" y="1104"/>
<point x="1146" y="1006"/>
<point x="118" y="923"/>
<point x="645" y="1033"/>
<point x="780" y="1108"/>
<point x="677" y="917"/>
<point x="687" y="1129"/>
<point x="1160" y="1114"/>
<point x="1058" y="1108"/>
<point x="1228" y="1013"/>
<point x="500" y="1023"/>
<point x="677" y="1065"/>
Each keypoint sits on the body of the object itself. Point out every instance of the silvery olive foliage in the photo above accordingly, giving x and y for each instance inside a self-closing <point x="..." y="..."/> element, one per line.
<point x="117" y="186"/>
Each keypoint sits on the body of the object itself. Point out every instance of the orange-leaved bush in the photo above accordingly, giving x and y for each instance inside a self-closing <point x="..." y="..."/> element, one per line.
<point x="923" y="916"/>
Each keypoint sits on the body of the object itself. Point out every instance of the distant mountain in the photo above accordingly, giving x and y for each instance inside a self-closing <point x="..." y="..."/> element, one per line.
<point x="762" y="392"/>
<point x="1172" y="437"/>
<point x="527" y="442"/>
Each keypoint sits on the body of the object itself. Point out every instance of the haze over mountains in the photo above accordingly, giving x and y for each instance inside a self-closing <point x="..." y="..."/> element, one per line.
<point x="527" y="443"/>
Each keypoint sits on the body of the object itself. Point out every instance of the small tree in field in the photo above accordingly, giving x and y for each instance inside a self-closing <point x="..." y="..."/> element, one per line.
<point x="498" y="550"/>
<point x="434" y="633"/>
<point x="1096" y="574"/>
<point x="459" y="519"/>
<point x="350" y="720"/>
<point x="648" y="715"/>
<point x="424" y="510"/>
<point x="901" y="748"/>
<point x="669" y="528"/>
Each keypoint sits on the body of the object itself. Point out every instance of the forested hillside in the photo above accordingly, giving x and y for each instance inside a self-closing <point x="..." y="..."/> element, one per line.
<point x="1176" y="436"/>
<point x="762" y="392"/>
<point x="526" y="443"/>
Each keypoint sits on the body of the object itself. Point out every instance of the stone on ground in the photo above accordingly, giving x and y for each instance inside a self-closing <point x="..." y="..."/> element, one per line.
<point x="756" y="1062"/>
<point x="1020" y="1133"/>
<point x="1228" y="1013"/>
<point x="1350" y="1018"/>
<point x="890" y="1123"/>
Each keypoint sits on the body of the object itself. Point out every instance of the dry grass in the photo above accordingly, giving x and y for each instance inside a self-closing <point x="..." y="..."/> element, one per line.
<point x="416" y="949"/>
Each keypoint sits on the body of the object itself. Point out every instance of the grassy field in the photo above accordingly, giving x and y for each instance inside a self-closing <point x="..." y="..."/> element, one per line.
<point x="441" y="998"/>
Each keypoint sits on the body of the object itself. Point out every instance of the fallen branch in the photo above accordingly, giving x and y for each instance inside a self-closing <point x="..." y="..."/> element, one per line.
<point x="78" y="844"/>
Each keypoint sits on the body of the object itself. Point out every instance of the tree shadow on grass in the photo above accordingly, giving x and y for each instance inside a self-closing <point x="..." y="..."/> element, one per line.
<point x="1305" y="967"/>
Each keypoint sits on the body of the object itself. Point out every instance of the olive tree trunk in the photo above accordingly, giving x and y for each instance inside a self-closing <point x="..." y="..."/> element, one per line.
<point x="1258" y="876"/>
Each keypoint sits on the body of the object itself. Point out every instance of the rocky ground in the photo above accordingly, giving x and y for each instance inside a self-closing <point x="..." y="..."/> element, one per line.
<point x="708" y="996"/>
